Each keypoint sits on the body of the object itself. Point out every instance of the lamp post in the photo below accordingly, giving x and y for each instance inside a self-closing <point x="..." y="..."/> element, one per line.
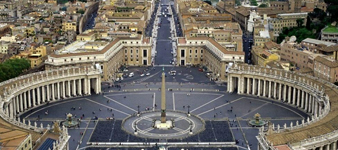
<point x="138" y="109"/>
<point x="188" y="110"/>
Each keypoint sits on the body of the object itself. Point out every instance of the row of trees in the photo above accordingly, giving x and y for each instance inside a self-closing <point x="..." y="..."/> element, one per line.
<point x="12" y="68"/>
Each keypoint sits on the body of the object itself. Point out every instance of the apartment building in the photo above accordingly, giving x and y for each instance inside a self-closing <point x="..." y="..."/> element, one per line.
<point x="109" y="55"/>
<point x="326" y="68"/>
<point x="287" y="20"/>
<point x="229" y="34"/>
<point x="208" y="53"/>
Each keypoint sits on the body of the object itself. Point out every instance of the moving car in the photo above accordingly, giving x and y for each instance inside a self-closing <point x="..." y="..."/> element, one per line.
<point x="148" y="74"/>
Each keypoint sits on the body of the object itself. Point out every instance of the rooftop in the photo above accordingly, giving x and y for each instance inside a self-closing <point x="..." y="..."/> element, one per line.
<point x="331" y="29"/>
<point x="314" y="41"/>
<point x="80" y="46"/>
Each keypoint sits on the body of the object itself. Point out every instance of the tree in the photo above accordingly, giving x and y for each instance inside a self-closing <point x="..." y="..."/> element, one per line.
<point x="263" y="5"/>
<point x="12" y="68"/>
<point x="80" y="11"/>
<point x="300" y="22"/>
<point x="253" y="3"/>
<point x="308" y="22"/>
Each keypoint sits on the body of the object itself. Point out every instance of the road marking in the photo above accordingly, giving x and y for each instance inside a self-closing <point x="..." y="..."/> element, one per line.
<point x="119" y="103"/>
<point x="50" y="105"/>
<point x="174" y="102"/>
<point x="113" y="94"/>
<point x="254" y="110"/>
<point x="198" y="93"/>
<point x="107" y="106"/>
<point x="154" y="101"/>
<point x="220" y="106"/>
<point x="207" y="103"/>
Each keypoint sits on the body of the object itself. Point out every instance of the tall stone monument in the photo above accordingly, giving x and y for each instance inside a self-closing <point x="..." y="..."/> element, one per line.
<point x="163" y="101"/>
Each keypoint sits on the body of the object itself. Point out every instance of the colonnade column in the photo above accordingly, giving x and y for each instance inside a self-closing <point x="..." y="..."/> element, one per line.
<point x="314" y="112"/>
<point x="269" y="91"/>
<point x="248" y="86"/>
<point x="7" y="110"/>
<point x="34" y="99"/>
<point x="17" y="104"/>
<point x="298" y="97"/>
<point x="63" y="89"/>
<point x="264" y="88"/>
<point x="89" y="88"/>
<point x="48" y="93"/>
<point x="310" y="103"/>
<point x="253" y="86"/>
<point x="21" y="102"/>
<point x="85" y="86"/>
<point x="68" y="89"/>
<point x="58" y="90"/>
<point x="275" y="90"/>
<point x="284" y="93"/>
<point x="43" y="93"/>
<point x="289" y="97"/>
<point x="25" y="100"/>
<point x="29" y="99"/>
<point x="294" y="96"/>
<point x="53" y="92"/>
<point x="74" y="88"/>
<point x="259" y="87"/>
<point x="11" y="115"/>
<point x="80" y="87"/>
<point x="303" y="99"/>
<point x="306" y="102"/>
<point x="280" y="91"/>
<point x="334" y="145"/>
<point x="38" y="92"/>
<point x="14" y="107"/>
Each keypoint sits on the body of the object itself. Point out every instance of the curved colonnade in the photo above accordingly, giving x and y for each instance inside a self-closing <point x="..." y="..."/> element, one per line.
<point x="309" y="94"/>
<point x="26" y="92"/>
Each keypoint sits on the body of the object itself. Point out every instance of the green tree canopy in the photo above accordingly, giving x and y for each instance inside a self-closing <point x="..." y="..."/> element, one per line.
<point x="263" y="5"/>
<point x="12" y="68"/>
<point x="253" y="3"/>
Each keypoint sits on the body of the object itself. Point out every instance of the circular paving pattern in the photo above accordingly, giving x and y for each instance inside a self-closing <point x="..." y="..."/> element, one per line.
<point x="144" y="123"/>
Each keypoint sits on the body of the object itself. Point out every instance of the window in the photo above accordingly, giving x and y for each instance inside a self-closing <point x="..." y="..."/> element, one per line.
<point x="201" y="51"/>
<point x="131" y="51"/>
<point x="190" y="51"/>
<point x="196" y="51"/>
<point x="79" y="58"/>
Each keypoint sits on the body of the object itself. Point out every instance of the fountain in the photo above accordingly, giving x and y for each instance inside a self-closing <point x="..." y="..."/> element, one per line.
<point x="257" y="121"/>
<point x="70" y="121"/>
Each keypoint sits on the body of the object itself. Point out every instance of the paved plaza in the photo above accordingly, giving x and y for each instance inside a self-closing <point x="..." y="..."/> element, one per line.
<point x="204" y="99"/>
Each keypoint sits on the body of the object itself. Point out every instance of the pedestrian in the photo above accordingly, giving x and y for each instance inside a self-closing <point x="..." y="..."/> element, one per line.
<point x="93" y="112"/>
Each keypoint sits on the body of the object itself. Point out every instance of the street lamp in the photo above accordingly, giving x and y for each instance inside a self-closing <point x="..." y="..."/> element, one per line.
<point x="188" y="110"/>
<point x="138" y="109"/>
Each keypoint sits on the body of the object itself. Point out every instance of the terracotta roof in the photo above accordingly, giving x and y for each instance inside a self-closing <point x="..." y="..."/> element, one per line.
<point x="332" y="48"/>
<point x="326" y="62"/>
<point x="271" y="44"/>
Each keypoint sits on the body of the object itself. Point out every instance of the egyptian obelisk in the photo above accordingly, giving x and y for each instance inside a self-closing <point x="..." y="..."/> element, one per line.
<point x="163" y="101"/>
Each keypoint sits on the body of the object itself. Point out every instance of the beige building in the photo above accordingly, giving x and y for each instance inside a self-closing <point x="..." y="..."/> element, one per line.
<point x="108" y="56"/>
<point x="209" y="54"/>
<point x="69" y="26"/>
<point x="288" y="20"/>
<point x="292" y="52"/>
<point x="229" y="34"/>
<point x="326" y="68"/>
